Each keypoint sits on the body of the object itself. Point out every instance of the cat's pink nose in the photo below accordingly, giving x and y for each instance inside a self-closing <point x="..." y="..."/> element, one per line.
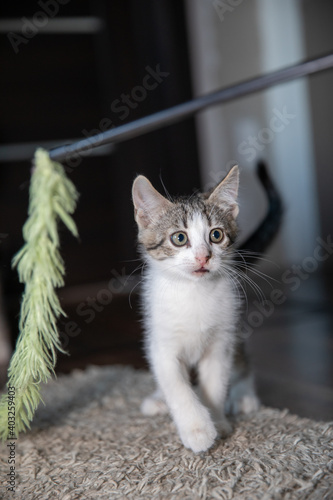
<point x="202" y="259"/>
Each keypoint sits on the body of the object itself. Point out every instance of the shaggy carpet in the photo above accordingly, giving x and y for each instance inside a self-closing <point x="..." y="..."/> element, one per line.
<point x="91" y="442"/>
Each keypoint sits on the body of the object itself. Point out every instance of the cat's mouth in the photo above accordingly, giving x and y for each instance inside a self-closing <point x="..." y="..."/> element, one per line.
<point x="202" y="270"/>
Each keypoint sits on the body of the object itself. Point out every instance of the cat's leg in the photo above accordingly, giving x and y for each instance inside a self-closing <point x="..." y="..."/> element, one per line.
<point x="214" y="371"/>
<point x="192" y="419"/>
<point x="154" y="404"/>
<point x="242" y="396"/>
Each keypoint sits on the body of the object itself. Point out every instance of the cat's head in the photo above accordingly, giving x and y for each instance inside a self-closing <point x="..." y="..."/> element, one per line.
<point x="190" y="237"/>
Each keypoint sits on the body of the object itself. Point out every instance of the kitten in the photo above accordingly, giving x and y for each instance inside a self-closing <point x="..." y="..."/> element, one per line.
<point x="191" y="305"/>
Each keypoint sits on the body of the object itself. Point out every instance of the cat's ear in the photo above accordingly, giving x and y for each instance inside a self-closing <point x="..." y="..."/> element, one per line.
<point x="148" y="203"/>
<point x="227" y="191"/>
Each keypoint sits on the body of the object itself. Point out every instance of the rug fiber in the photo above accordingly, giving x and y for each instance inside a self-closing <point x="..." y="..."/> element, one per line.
<point x="91" y="442"/>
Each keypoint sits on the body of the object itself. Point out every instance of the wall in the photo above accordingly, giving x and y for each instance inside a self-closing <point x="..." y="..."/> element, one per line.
<point x="235" y="40"/>
<point x="318" y="17"/>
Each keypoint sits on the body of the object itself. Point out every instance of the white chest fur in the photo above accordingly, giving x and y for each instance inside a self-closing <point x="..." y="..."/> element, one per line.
<point x="183" y="317"/>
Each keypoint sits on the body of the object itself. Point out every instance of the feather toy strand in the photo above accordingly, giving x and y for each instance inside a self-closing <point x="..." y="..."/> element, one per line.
<point x="40" y="266"/>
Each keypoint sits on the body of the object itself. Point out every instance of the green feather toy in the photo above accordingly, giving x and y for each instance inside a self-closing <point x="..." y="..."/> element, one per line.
<point x="40" y="266"/>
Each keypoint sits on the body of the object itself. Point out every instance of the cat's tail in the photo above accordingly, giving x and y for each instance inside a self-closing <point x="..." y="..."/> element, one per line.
<point x="265" y="233"/>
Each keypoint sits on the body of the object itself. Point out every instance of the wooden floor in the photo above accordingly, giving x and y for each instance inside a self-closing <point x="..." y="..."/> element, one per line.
<point x="291" y="343"/>
<point x="292" y="354"/>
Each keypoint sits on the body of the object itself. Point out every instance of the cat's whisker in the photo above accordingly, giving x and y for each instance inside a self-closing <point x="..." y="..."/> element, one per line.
<point x="264" y="276"/>
<point x="235" y="281"/>
<point x="168" y="195"/>
<point x="238" y="278"/>
<point x="140" y="266"/>
<point x="253" y="267"/>
<point x="144" y="265"/>
<point x="195" y="192"/>
<point x="238" y="287"/>
<point x="131" y="260"/>
<point x="252" y="284"/>
<point x="256" y="255"/>
<point x="257" y="272"/>
<point x="131" y="292"/>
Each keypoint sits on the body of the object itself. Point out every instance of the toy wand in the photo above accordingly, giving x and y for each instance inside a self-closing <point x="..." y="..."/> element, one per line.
<point x="189" y="108"/>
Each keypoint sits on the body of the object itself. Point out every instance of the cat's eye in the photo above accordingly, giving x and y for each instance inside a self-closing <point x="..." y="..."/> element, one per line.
<point x="216" y="235"/>
<point x="179" y="239"/>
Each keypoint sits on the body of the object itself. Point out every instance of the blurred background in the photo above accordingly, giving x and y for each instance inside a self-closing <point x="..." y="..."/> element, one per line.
<point x="71" y="69"/>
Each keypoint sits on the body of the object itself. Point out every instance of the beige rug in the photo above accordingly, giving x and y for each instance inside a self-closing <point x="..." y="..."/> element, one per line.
<point x="91" y="442"/>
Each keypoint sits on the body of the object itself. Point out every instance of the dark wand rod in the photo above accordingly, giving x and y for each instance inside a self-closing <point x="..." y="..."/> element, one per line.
<point x="187" y="109"/>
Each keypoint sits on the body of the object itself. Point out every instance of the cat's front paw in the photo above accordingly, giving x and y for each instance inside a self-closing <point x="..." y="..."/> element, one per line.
<point x="199" y="437"/>
<point x="246" y="405"/>
<point x="224" y="427"/>
<point x="242" y="398"/>
<point x="153" y="406"/>
<point x="243" y="404"/>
